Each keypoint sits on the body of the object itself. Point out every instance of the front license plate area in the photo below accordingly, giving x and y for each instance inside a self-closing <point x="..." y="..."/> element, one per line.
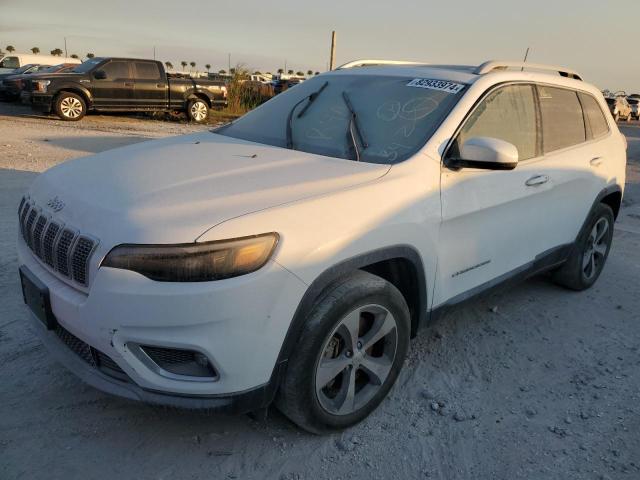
<point x="36" y="296"/>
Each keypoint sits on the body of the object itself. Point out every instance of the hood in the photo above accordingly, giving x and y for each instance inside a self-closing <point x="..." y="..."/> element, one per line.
<point x="172" y="190"/>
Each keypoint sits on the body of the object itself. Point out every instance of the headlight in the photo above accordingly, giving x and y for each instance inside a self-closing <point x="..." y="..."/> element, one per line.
<point x="195" y="262"/>
<point x="41" y="85"/>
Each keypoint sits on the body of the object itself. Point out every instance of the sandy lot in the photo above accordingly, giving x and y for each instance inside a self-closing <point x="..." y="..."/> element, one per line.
<point x="536" y="382"/>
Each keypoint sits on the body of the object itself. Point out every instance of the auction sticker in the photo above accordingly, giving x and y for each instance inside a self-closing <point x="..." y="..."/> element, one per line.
<point x="442" y="85"/>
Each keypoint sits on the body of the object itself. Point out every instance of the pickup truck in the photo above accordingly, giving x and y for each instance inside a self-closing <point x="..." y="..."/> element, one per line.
<point x="123" y="85"/>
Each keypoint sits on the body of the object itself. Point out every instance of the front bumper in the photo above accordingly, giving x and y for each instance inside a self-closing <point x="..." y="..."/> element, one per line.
<point x="41" y="101"/>
<point x="239" y="324"/>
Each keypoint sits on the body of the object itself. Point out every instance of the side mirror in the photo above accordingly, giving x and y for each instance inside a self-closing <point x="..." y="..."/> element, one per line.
<point x="486" y="153"/>
<point x="100" y="75"/>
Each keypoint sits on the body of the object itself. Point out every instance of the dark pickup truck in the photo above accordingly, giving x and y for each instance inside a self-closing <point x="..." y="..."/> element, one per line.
<point x="123" y="85"/>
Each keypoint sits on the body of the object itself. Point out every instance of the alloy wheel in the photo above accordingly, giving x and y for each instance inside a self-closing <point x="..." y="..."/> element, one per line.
<point x="71" y="107"/>
<point x="199" y="111"/>
<point x="596" y="249"/>
<point x="356" y="359"/>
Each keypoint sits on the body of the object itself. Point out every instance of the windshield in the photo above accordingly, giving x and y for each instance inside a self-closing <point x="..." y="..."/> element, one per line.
<point x="87" y="65"/>
<point x="394" y="115"/>
<point x="633" y="101"/>
<point x="10" y="62"/>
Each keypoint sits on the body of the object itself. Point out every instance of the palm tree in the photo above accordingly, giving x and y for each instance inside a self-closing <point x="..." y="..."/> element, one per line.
<point x="193" y="65"/>
<point x="317" y="73"/>
<point x="232" y="71"/>
<point x="257" y="72"/>
<point x="10" y="48"/>
<point x="56" y="52"/>
<point x="169" y="65"/>
<point x="300" y="74"/>
<point x="222" y="72"/>
<point x="184" y="64"/>
<point x="280" y="71"/>
<point x="309" y="73"/>
<point x="35" y="50"/>
<point x="90" y="55"/>
<point x="73" y="55"/>
<point x="208" y="67"/>
<point x="290" y="72"/>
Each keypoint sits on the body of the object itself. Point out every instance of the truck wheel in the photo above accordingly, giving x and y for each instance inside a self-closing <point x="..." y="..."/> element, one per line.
<point x="590" y="252"/>
<point x="198" y="110"/>
<point x="70" y="107"/>
<point x="348" y="356"/>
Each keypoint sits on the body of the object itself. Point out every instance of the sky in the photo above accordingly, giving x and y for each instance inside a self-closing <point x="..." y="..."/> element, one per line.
<point x="596" y="38"/>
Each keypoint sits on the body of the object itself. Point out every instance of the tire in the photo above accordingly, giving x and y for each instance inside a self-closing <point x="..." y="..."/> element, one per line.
<point x="594" y="242"/>
<point x="197" y="110"/>
<point x="70" y="106"/>
<point x="376" y="306"/>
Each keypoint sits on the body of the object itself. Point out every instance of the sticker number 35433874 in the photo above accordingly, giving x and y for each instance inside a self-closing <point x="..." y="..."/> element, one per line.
<point x="442" y="85"/>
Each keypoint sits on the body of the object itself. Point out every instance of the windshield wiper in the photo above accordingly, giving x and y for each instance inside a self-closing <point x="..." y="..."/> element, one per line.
<point x="353" y="125"/>
<point x="309" y="99"/>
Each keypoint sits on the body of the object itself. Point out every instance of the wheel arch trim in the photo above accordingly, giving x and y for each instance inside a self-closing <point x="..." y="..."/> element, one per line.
<point x="341" y="269"/>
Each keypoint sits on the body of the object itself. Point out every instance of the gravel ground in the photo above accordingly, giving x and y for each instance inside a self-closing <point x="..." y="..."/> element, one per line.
<point x="533" y="383"/>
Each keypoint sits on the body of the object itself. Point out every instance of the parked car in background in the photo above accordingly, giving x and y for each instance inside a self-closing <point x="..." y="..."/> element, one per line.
<point x="634" y="103"/>
<point x="619" y="108"/>
<point x="14" y="61"/>
<point x="11" y="86"/>
<point x="291" y="255"/>
<point x="108" y="84"/>
<point x="280" y="85"/>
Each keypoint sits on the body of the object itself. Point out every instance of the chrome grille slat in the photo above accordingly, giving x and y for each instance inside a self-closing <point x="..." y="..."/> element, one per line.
<point x="63" y="249"/>
<point x="79" y="259"/>
<point x="38" y="229"/>
<point x="59" y="246"/>
<point x="48" y="242"/>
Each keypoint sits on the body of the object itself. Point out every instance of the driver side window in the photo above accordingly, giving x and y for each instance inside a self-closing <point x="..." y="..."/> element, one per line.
<point x="508" y="114"/>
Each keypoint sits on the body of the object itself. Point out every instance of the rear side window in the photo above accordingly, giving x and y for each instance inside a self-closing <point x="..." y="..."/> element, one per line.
<point x="562" y="120"/>
<point x="147" y="71"/>
<point x="10" y="62"/>
<point x="507" y="114"/>
<point x="597" y="125"/>
<point x="115" y="70"/>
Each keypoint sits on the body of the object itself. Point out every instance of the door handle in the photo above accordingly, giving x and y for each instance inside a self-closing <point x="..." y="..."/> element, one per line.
<point x="160" y="85"/>
<point x="596" y="161"/>
<point x="537" y="180"/>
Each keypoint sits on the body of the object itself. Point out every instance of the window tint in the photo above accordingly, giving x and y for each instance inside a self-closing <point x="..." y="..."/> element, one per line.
<point x="507" y="114"/>
<point x="596" y="122"/>
<point x="116" y="70"/>
<point x="562" y="120"/>
<point x="147" y="71"/>
<point x="10" y="62"/>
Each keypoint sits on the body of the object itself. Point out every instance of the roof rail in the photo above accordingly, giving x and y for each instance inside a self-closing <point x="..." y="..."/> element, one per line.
<point x="373" y="63"/>
<point x="492" y="65"/>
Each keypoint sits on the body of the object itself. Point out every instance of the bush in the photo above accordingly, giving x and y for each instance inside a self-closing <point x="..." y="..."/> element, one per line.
<point x="244" y="95"/>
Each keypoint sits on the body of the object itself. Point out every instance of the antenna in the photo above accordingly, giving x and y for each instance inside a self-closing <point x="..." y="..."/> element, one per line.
<point x="525" y="58"/>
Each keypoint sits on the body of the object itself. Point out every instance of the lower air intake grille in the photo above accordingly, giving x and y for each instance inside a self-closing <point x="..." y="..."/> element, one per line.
<point x="92" y="356"/>
<point x="180" y="362"/>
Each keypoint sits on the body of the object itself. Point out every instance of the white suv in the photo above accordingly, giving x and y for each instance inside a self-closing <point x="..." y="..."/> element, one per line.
<point x="290" y="255"/>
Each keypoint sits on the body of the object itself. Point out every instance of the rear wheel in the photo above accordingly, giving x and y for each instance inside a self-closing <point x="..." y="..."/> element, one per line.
<point x="349" y="355"/>
<point x="197" y="110"/>
<point x="70" y="106"/>
<point x="590" y="252"/>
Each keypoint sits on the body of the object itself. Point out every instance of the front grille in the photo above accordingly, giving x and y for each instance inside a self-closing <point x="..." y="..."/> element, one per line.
<point x="90" y="355"/>
<point x="59" y="246"/>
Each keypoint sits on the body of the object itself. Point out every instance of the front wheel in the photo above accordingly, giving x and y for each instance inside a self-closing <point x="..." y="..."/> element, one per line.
<point x="70" y="106"/>
<point x="197" y="110"/>
<point x="349" y="355"/>
<point x="590" y="252"/>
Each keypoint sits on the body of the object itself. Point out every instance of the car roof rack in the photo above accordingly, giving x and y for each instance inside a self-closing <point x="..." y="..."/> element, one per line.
<point x="373" y="63"/>
<point x="492" y="65"/>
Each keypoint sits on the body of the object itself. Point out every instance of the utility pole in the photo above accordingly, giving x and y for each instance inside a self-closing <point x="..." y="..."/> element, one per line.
<point x="285" y="66"/>
<point x="332" y="58"/>
<point x="65" y="47"/>
<point x="154" y="52"/>
<point x="229" y="63"/>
